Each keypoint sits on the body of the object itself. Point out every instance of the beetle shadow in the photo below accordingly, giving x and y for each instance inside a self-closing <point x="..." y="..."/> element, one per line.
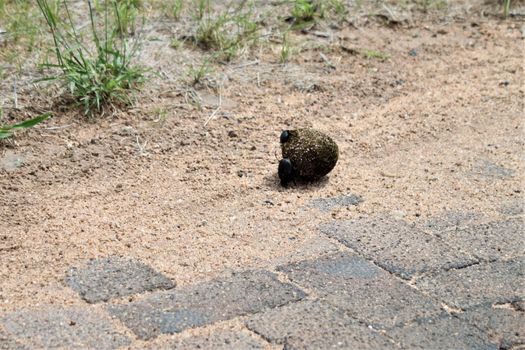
<point x="298" y="185"/>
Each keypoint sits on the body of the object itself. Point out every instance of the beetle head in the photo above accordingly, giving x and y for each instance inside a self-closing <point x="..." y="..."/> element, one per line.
<point x="285" y="135"/>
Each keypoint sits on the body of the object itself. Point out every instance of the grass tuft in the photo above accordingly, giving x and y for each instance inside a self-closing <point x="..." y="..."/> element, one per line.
<point x="227" y="33"/>
<point x="371" y="54"/>
<point x="100" y="73"/>
<point x="17" y="18"/>
<point x="305" y="11"/>
<point x="176" y="8"/>
<point x="286" y="49"/>
<point x="197" y="74"/>
<point x="308" y="12"/>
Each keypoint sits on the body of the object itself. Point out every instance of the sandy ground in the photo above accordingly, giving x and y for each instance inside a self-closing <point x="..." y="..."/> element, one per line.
<point x="419" y="135"/>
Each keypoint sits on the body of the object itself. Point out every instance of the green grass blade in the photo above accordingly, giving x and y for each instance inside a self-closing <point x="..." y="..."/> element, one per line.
<point x="31" y="122"/>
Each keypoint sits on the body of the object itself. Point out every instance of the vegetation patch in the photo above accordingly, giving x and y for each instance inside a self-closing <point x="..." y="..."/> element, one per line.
<point x="226" y="33"/>
<point x="101" y="71"/>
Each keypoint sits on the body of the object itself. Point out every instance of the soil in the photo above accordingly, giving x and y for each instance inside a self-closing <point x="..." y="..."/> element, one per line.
<point x="193" y="190"/>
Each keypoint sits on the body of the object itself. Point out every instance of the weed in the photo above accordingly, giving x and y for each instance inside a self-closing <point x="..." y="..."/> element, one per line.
<point x="307" y="12"/>
<point x="96" y="78"/>
<point x="506" y="8"/>
<point x="7" y="130"/>
<point x="338" y="7"/>
<point x="198" y="73"/>
<point x="176" y="8"/>
<point x="370" y="54"/>
<point x="286" y="49"/>
<point x="176" y="43"/>
<point x="428" y="5"/>
<point x="304" y="11"/>
<point x="203" y="7"/>
<point x="20" y="27"/>
<point x="227" y="33"/>
<point x="162" y="116"/>
<point x="126" y="12"/>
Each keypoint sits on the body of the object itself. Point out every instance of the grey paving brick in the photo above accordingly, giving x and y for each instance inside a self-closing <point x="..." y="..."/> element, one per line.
<point x="311" y="248"/>
<point x="366" y="291"/>
<point x="73" y="328"/>
<point x="490" y="241"/>
<point x="513" y="208"/>
<point x="328" y="204"/>
<point x="220" y="299"/>
<point x="7" y="342"/>
<point x="396" y="246"/>
<point x="444" y="333"/>
<point x="315" y="325"/>
<point x="498" y="282"/>
<point x="504" y="326"/>
<point x="218" y="340"/>
<point x="519" y="305"/>
<point x="113" y="277"/>
<point x="452" y="220"/>
<point x="488" y="169"/>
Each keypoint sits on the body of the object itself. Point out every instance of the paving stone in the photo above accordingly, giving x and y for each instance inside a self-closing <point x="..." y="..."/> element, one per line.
<point x="315" y="325"/>
<point x="504" y="326"/>
<point x="63" y="328"/>
<point x="366" y="291"/>
<point x="490" y="241"/>
<point x="396" y="246"/>
<point x="310" y="248"/>
<point x="513" y="208"/>
<point x="219" y="340"/>
<point x="445" y="333"/>
<point x="7" y="342"/>
<point x="488" y="169"/>
<point x="452" y="220"/>
<point x="328" y="204"/>
<point x="519" y="305"/>
<point x="220" y="299"/>
<point x="113" y="277"/>
<point x="498" y="282"/>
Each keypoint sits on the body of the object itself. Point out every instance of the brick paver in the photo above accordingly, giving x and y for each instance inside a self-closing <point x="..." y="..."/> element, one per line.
<point x="71" y="328"/>
<point x="327" y="204"/>
<point x="487" y="169"/>
<point x="316" y="325"/>
<point x="218" y="340"/>
<point x="452" y="221"/>
<point x="442" y="333"/>
<point x="7" y="342"/>
<point x="113" y="277"/>
<point x="503" y="324"/>
<point x="396" y="246"/>
<point x="220" y="299"/>
<point x="512" y="208"/>
<point x="489" y="241"/>
<point x="364" y="290"/>
<point x="488" y="283"/>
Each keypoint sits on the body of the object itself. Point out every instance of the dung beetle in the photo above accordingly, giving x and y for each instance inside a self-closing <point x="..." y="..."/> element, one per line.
<point x="307" y="154"/>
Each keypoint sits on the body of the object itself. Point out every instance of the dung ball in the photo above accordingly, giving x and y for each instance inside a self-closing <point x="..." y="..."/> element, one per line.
<point x="312" y="154"/>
